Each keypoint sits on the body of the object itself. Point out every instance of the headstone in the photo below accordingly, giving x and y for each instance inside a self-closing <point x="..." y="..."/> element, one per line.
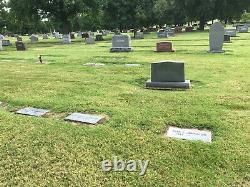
<point x="6" y="43"/>
<point x="168" y="75"/>
<point x="139" y="35"/>
<point x="72" y="35"/>
<point x="79" y="34"/>
<point x="90" y="40"/>
<point x="1" y="45"/>
<point x="164" y="47"/>
<point x="162" y="34"/>
<point x="66" y="39"/>
<point x="99" y="37"/>
<point x="189" y="29"/>
<point x="227" y="39"/>
<point x="20" y="46"/>
<point x="121" y="43"/>
<point x="178" y="30"/>
<point x="19" y="38"/>
<point x="32" y="112"/>
<point x="231" y="32"/>
<point x="190" y="134"/>
<point x="216" y="38"/>
<point x="85" y="35"/>
<point x="85" y="118"/>
<point x="171" y="32"/>
<point x="33" y="38"/>
<point x="45" y="37"/>
<point x="243" y="29"/>
<point x="2" y="37"/>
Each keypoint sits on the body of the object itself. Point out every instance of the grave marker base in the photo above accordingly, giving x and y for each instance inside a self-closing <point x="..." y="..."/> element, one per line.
<point x="168" y="85"/>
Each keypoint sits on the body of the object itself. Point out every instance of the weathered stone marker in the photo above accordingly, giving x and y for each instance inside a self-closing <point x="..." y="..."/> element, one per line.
<point x="121" y="43"/>
<point x="139" y="35"/>
<point x="243" y="28"/>
<point x="85" y="118"/>
<point x="164" y="47"/>
<point x="66" y="39"/>
<point x="216" y="38"/>
<point x="1" y="45"/>
<point x="231" y="32"/>
<point x="189" y="29"/>
<point x="90" y="40"/>
<point x="32" y="111"/>
<point x="6" y="43"/>
<point x="162" y="34"/>
<point x="168" y="75"/>
<point x="190" y="134"/>
<point x="33" y="38"/>
<point x="99" y="37"/>
<point x="45" y="37"/>
<point x="20" y="46"/>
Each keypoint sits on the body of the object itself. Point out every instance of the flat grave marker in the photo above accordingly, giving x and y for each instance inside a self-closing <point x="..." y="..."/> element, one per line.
<point x="84" y="118"/>
<point x="29" y="111"/>
<point x="190" y="134"/>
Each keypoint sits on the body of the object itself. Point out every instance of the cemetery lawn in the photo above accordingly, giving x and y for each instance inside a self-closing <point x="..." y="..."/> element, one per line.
<point x="49" y="151"/>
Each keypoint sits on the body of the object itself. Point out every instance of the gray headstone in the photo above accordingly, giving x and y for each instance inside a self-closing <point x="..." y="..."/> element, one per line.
<point x="216" y="38"/>
<point x="139" y="35"/>
<point x="162" y="34"/>
<point x="121" y="43"/>
<point x="66" y="39"/>
<point x="20" y="46"/>
<point x="231" y="32"/>
<point x="32" y="111"/>
<point x="168" y="74"/>
<point x="6" y="43"/>
<point x="190" y="134"/>
<point x="243" y="29"/>
<point x="1" y="45"/>
<point x="90" y="40"/>
<point x="33" y="38"/>
<point x="84" y="118"/>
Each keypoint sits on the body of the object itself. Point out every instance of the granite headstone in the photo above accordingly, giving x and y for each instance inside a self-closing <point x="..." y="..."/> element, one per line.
<point x="216" y="38"/>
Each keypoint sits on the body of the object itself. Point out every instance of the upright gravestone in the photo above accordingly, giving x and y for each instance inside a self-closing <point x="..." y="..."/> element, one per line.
<point x="162" y="34"/>
<point x="243" y="28"/>
<point x="168" y="75"/>
<point x="189" y="29"/>
<point x="216" y="38"/>
<point x="121" y="43"/>
<point x="1" y="45"/>
<point x="164" y="47"/>
<point x="99" y="37"/>
<point x="231" y="32"/>
<point x="33" y="38"/>
<point x="227" y="38"/>
<point x="139" y="35"/>
<point x="90" y="40"/>
<point x="6" y="43"/>
<point x="20" y="46"/>
<point x="66" y="39"/>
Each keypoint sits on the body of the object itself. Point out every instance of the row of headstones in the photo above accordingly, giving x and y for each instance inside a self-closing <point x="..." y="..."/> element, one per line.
<point x="172" y="132"/>
<point x="219" y="35"/>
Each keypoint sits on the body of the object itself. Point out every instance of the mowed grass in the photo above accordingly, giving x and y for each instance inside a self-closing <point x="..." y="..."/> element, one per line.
<point x="52" y="152"/>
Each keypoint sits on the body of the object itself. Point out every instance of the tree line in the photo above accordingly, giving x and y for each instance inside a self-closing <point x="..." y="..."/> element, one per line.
<point x="31" y="16"/>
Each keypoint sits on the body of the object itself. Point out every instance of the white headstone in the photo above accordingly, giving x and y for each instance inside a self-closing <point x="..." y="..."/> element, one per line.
<point x="190" y="134"/>
<point x="32" y="111"/>
<point x="66" y="39"/>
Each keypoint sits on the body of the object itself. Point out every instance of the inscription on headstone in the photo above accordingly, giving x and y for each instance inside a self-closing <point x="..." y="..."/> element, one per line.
<point x="190" y="134"/>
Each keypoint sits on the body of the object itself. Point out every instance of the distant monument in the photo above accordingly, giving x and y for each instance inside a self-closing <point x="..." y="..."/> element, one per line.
<point x="121" y="43"/>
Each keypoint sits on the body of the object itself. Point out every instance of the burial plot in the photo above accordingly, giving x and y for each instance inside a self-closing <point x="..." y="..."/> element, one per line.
<point x="99" y="37"/>
<point x="168" y="75"/>
<point x="90" y="40"/>
<point x="6" y="43"/>
<point x="190" y="134"/>
<point x="227" y="39"/>
<point x="85" y="118"/>
<point x="216" y="38"/>
<point x="33" y="38"/>
<point x="20" y="46"/>
<point x="32" y="112"/>
<point x="164" y="47"/>
<point x="121" y="43"/>
<point x="231" y="32"/>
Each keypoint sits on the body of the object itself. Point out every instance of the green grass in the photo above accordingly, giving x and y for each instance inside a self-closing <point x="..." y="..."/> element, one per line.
<point x="51" y="152"/>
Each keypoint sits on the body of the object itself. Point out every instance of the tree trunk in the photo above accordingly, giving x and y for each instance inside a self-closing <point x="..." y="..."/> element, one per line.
<point x="66" y="27"/>
<point x="135" y="32"/>
<point x="202" y="23"/>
